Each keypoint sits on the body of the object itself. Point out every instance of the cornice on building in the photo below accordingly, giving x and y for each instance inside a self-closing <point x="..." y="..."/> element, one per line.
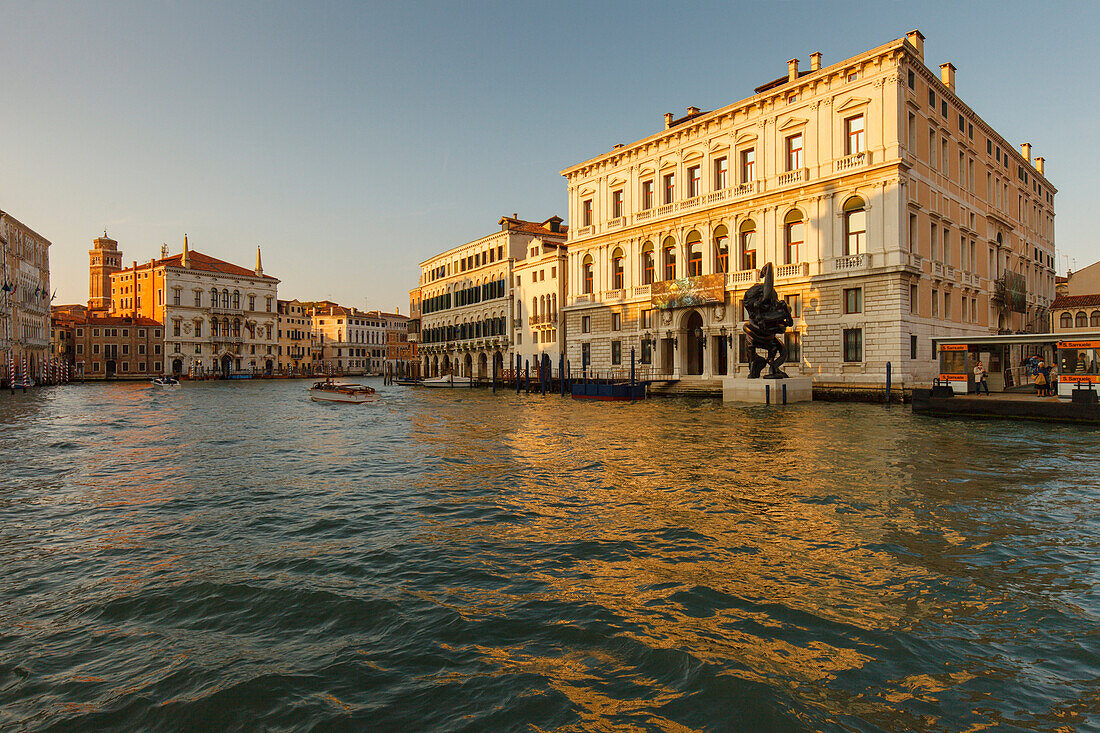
<point x="693" y="124"/>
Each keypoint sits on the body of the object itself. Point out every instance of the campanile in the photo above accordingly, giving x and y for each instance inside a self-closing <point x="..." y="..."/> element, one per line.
<point x="103" y="259"/>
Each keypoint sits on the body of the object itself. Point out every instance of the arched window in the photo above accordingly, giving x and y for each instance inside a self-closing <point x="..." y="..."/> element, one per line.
<point x="237" y="327"/>
<point x="225" y="326"/>
<point x="1081" y="321"/>
<point x="535" y="308"/>
<point x="214" y="327"/>
<point x="722" y="249"/>
<point x="1094" y="319"/>
<point x="213" y="297"/>
<point x="694" y="246"/>
<point x="1066" y="321"/>
<point x="586" y="273"/>
<point x="554" y="307"/>
<point x="617" y="275"/>
<point x="647" y="264"/>
<point x="225" y="298"/>
<point x="668" y="254"/>
<point x="794" y="235"/>
<point x="236" y="298"/>
<point x="748" y="245"/>
<point x="855" y="226"/>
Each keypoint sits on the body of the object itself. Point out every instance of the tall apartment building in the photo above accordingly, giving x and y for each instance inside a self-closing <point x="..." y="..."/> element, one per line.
<point x="413" y="371"/>
<point x="540" y="287"/>
<point x="24" y="299"/>
<point x="470" y="309"/>
<point x="296" y="338"/>
<point x="218" y="317"/>
<point x="351" y="341"/>
<point x="396" y="353"/>
<point x="891" y="210"/>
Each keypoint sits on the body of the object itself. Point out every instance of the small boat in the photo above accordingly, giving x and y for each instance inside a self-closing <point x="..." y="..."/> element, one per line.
<point x="166" y="382"/>
<point x="448" y="381"/>
<point x="406" y="382"/>
<point x="329" y="391"/>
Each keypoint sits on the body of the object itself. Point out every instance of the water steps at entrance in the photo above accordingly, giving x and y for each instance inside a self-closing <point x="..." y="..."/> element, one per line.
<point x="688" y="386"/>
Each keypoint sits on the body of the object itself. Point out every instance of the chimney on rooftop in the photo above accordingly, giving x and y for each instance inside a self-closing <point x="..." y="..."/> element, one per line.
<point x="693" y="110"/>
<point x="947" y="75"/>
<point x="815" y="61"/>
<point x="1025" y="150"/>
<point x="916" y="40"/>
<point x="1040" y="164"/>
<point x="668" y="120"/>
<point x="792" y="69"/>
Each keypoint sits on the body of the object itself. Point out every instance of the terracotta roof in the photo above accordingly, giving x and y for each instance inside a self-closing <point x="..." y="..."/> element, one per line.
<point x="1075" y="301"/>
<point x="206" y="263"/>
<point x="533" y="227"/>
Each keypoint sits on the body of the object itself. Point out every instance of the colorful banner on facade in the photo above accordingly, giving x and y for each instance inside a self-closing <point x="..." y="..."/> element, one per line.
<point x="688" y="291"/>
<point x="1015" y="292"/>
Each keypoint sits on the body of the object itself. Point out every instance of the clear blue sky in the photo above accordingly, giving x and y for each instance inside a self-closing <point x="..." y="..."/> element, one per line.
<point x="352" y="140"/>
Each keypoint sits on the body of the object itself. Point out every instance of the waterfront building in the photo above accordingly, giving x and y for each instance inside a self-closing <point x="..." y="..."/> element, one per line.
<point x="397" y="352"/>
<point x="351" y="341"/>
<point x="101" y="346"/>
<point x="296" y="338"/>
<point x="24" y="299"/>
<point x="892" y="211"/>
<point x="540" y="292"/>
<point x="218" y="317"/>
<point x="413" y="336"/>
<point x="469" y="308"/>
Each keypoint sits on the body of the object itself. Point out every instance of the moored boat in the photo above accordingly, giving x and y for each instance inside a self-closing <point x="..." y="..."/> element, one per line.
<point x="329" y="391"/>
<point x="448" y="381"/>
<point x="166" y="382"/>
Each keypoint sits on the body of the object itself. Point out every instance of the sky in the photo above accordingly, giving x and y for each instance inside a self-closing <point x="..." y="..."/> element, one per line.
<point x="351" y="141"/>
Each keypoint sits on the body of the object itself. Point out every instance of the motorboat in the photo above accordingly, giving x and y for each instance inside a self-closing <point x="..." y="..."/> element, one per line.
<point x="166" y="382"/>
<point x="448" y="381"/>
<point x="329" y="391"/>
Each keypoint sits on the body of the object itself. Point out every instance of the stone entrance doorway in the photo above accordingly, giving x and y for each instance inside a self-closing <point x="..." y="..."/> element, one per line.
<point x="692" y="343"/>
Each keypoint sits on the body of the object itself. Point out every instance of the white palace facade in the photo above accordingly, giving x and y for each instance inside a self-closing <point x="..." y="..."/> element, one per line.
<point x="472" y="309"/>
<point x="891" y="212"/>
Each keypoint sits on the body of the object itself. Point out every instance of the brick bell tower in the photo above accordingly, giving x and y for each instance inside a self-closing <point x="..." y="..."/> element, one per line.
<point x="104" y="258"/>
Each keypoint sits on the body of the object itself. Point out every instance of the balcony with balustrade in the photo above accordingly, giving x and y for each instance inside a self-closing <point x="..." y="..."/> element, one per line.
<point x="852" y="162"/>
<point x="851" y="263"/>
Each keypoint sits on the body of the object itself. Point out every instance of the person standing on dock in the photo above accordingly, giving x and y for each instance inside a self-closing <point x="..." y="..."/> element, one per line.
<point x="979" y="378"/>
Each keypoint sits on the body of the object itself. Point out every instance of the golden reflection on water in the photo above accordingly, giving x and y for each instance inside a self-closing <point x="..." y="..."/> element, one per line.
<point x="781" y="519"/>
<point x="637" y="554"/>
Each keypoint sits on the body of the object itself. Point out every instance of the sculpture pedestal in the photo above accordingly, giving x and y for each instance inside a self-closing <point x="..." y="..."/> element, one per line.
<point x="768" y="391"/>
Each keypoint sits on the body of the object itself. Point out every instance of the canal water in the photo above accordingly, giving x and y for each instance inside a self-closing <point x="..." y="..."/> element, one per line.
<point x="231" y="556"/>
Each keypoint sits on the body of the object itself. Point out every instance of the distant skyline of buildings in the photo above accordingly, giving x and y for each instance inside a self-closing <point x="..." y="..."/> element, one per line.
<point x="892" y="211"/>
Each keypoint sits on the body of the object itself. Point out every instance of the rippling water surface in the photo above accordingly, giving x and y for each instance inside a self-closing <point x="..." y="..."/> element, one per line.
<point x="230" y="556"/>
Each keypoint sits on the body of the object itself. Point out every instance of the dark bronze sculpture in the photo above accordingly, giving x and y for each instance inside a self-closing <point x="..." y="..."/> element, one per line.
<point x="768" y="317"/>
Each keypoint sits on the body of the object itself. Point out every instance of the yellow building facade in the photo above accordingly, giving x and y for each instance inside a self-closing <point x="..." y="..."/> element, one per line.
<point x="889" y="208"/>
